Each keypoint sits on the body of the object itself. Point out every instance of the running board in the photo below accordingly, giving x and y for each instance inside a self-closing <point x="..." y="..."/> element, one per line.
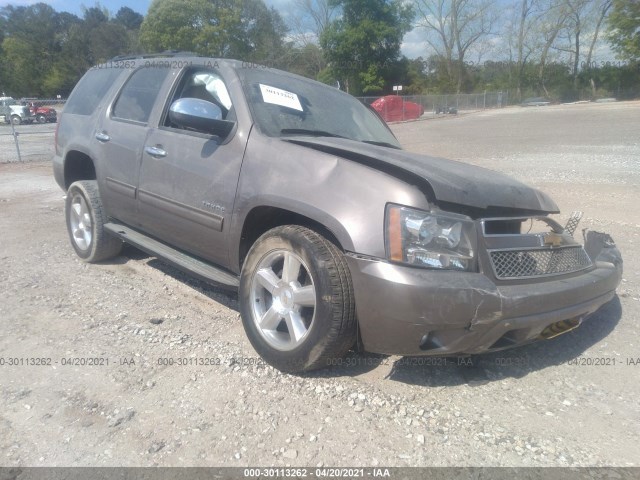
<point x="170" y="255"/>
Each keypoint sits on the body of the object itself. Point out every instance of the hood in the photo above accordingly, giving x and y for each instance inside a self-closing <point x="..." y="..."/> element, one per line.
<point x="448" y="181"/>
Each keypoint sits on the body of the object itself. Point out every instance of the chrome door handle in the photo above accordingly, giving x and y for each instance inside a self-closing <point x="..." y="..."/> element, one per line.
<point x="102" y="137"/>
<point x="156" y="152"/>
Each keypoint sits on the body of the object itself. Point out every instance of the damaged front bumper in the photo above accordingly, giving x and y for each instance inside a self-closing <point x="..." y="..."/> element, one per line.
<point x="412" y="311"/>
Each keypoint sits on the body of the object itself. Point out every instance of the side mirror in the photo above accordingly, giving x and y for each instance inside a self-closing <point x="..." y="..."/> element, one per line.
<point x="200" y="115"/>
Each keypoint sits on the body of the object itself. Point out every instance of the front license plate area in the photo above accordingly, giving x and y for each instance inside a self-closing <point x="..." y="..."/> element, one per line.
<point x="558" y="328"/>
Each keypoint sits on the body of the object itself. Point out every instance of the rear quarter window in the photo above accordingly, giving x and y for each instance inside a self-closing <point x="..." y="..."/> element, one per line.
<point x="90" y="90"/>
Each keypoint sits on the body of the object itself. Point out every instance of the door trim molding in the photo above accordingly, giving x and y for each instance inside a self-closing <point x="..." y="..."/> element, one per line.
<point x="201" y="217"/>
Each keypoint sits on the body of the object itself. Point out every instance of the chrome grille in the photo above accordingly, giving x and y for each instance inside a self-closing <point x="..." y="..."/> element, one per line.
<point x="538" y="262"/>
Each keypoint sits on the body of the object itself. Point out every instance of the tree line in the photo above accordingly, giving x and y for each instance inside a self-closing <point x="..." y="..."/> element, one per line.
<point x="551" y="48"/>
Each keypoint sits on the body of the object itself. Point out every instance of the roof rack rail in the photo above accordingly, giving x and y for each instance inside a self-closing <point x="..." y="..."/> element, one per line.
<point x="167" y="53"/>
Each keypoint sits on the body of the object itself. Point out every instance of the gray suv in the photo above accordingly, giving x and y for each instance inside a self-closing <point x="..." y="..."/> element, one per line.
<point x="300" y="196"/>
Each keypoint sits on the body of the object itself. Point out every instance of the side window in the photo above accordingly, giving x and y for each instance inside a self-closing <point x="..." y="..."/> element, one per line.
<point x="204" y="85"/>
<point x="139" y="94"/>
<point x="91" y="88"/>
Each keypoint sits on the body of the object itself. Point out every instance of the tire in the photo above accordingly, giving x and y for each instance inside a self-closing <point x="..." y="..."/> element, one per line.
<point x="41" y="119"/>
<point x="297" y="318"/>
<point x="85" y="223"/>
<point x="16" y="120"/>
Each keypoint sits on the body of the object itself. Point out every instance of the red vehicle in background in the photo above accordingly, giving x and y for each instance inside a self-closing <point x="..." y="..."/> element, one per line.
<point x="42" y="114"/>
<point x="392" y="108"/>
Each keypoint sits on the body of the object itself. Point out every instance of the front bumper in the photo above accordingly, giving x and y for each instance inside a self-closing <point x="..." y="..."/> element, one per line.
<point x="413" y="311"/>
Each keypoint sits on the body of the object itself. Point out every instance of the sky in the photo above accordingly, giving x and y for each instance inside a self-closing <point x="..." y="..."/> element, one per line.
<point x="413" y="46"/>
<point x="140" y="6"/>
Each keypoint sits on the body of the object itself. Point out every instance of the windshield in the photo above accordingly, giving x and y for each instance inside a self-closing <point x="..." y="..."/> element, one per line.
<point x="284" y="106"/>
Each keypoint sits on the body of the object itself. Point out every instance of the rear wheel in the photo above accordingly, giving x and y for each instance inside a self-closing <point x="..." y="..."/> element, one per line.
<point x="85" y="223"/>
<point x="41" y="118"/>
<point x="296" y="299"/>
<point x="16" y="120"/>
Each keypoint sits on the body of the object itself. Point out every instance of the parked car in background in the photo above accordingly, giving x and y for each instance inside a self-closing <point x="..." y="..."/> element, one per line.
<point x="446" y="109"/>
<point x="393" y="108"/>
<point x="12" y="111"/>
<point x="41" y="113"/>
<point x="535" y="102"/>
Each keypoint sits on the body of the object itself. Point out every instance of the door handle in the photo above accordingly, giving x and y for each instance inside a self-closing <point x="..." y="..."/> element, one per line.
<point x="102" y="137"/>
<point x="156" y="152"/>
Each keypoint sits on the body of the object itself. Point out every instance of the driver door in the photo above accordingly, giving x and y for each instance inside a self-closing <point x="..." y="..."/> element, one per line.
<point x="188" y="179"/>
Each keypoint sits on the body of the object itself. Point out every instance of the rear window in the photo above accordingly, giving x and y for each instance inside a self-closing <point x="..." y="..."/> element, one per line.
<point x="90" y="90"/>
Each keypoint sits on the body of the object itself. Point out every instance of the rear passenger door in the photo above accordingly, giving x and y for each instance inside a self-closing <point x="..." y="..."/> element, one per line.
<point x="120" y="137"/>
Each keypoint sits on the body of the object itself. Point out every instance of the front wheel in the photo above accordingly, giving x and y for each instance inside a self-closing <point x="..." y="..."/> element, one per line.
<point x="16" y="120"/>
<point x="85" y="223"/>
<point x="296" y="299"/>
<point x="41" y="118"/>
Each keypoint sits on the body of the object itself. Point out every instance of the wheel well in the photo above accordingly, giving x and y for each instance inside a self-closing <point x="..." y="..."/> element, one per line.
<point x="78" y="166"/>
<point x="261" y="219"/>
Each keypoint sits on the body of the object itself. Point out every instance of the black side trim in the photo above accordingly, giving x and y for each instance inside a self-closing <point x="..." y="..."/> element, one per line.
<point x="185" y="262"/>
<point x="207" y="219"/>
<point x="121" y="187"/>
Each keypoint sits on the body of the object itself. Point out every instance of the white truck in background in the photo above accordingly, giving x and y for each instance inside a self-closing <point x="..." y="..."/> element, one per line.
<point x="12" y="111"/>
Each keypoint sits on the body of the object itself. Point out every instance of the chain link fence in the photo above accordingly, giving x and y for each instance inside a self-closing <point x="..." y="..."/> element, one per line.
<point x="27" y="128"/>
<point x="435" y="105"/>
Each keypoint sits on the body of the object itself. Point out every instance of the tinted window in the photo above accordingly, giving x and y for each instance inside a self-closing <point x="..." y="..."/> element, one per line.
<point x="139" y="94"/>
<point x="90" y="90"/>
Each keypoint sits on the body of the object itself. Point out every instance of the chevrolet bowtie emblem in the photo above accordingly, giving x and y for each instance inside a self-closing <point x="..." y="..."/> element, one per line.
<point x="551" y="240"/>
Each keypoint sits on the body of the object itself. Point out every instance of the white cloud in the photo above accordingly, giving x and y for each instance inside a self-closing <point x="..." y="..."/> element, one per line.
<point x="414" y="44"/>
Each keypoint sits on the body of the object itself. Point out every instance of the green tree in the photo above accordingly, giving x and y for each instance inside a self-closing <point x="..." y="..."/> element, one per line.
<point x="264" y="31"/>
<point x="243" y="29"/>
<point x="128" y="18"/>
<point x="3" y="68"/>
<point x="363" y="43"/>
<point x="44" y="53"/>
<point x="95" y="16"/>
<point x="624" y="29"/>
<point x="29" y="47"/>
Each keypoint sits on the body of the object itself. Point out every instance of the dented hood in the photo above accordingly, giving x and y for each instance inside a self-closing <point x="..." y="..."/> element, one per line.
<point x="450" y="181"/>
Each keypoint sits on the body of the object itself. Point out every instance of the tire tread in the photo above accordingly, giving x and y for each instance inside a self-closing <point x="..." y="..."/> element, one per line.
<point x="103" y="245"/>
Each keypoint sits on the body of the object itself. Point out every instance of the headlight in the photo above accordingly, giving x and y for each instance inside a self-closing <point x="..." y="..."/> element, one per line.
<point x="431" y="240"/>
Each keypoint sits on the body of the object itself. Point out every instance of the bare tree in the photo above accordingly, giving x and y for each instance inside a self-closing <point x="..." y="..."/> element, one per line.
<point x="601" y="9"/>
<point x="576" y="20"/>
<point x="554" y="20"/>
<point x="584" y="20"/>
<point x="600" y="12"/>
<point x="454" y="27"/>
<point x="310" y="19"/>
<point x="521" y="30"/>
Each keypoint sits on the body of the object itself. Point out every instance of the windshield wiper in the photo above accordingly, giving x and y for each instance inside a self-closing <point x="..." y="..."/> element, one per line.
<point x="382" y="144"/>
<point x="314" y="133"/>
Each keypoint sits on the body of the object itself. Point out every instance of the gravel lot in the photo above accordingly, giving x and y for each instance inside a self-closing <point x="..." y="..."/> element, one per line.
<point x="547" y="404"/>
<point x="35" y="142"/>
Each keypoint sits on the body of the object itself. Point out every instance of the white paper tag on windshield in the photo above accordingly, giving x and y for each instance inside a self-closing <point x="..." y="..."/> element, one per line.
<point x="280" y="97"/>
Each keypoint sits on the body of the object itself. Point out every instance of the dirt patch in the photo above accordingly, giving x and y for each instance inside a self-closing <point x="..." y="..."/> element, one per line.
<point x="132" y="363"/>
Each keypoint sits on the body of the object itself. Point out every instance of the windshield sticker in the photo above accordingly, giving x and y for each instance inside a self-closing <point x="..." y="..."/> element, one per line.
<point x="280" y="97"/>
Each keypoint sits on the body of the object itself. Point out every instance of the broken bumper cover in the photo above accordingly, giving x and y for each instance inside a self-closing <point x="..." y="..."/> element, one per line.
<point x="412" y="311"/>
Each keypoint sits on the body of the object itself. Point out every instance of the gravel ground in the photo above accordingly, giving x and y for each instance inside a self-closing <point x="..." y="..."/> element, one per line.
<point x="174" y="382"/>
<point x="34" y="140"/>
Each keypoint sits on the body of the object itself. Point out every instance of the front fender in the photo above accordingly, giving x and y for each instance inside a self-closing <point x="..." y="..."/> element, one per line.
<point x="345" y="197"/>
